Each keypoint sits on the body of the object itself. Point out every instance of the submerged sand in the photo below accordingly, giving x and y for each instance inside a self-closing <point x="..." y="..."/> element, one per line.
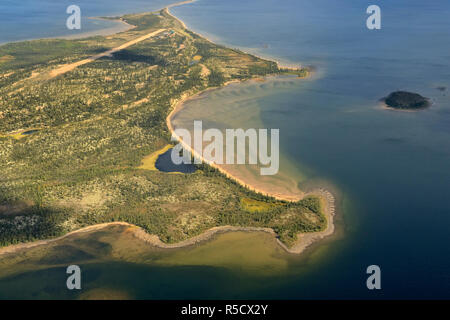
<point x="258" y="185"/>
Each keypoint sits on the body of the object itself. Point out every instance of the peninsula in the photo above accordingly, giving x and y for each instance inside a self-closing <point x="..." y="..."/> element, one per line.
<point x="79" y="117"/>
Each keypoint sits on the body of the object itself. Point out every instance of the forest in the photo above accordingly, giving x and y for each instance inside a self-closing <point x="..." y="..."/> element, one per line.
<point x="71" y="145"/>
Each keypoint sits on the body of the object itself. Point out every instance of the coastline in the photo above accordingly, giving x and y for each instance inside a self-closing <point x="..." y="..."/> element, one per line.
<point x="281" y="64"/>
<point x="304" y="239"/>
<point x="178" y="104"/>
<point x="328" y="200"/>
<point x="155" y="241"/>
<point x="121" y="26"/>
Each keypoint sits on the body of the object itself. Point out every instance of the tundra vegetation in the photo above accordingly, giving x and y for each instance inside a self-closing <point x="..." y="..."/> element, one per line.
<point x="72" y="146"/>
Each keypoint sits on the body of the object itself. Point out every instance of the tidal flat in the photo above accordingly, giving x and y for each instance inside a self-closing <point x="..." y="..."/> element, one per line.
<point x="109" y="259"/>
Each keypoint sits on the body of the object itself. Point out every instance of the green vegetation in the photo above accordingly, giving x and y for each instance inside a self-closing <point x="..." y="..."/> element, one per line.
<point x="149" y="162"/>
<point x="99" y="121"/>
<point x="301" y="73"/>
<point x="255" y="206"/>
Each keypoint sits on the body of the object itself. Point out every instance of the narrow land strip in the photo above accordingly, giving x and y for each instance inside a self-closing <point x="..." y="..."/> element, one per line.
<point x="304" y="240"/>
<point x="69" y="67"/>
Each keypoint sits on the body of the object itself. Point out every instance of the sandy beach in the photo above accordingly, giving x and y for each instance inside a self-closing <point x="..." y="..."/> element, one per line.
<point x="304" y="239"/>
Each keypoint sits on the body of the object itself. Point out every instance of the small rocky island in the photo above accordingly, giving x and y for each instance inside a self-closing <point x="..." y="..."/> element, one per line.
<point x="404" y="100"/>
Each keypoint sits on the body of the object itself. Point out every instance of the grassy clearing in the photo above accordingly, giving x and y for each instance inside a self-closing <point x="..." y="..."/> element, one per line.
<point x="149" y="162"/>
<point x="6" y="58"/>
<point x="255" y="206"/>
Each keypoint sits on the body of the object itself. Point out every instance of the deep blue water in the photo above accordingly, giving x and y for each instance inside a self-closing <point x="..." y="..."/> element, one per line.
<point x="164" y="163"/>
<point x="391" y="168"/>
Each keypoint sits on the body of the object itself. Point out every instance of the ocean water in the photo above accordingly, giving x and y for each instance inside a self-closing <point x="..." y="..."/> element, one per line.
<point x="389" y="170"/>
<point x="31" y="19"/>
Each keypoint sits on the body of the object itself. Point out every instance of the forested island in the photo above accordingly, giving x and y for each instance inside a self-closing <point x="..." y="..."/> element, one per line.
<point x="406" y="101"/>
<point x="77" y="118"/>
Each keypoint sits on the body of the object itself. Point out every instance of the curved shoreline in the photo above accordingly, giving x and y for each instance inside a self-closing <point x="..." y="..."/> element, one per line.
<point x="304" y="239"/>
<point x="121" y="26"/>
<point x="154" y="240"/>
<point x="328" y="200"/>
<point x="177" y="105"/>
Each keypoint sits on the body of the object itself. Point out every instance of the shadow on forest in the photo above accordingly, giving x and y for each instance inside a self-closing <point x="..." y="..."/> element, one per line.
<point x="28" y="220"/>
<point x="130" y="56"/>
